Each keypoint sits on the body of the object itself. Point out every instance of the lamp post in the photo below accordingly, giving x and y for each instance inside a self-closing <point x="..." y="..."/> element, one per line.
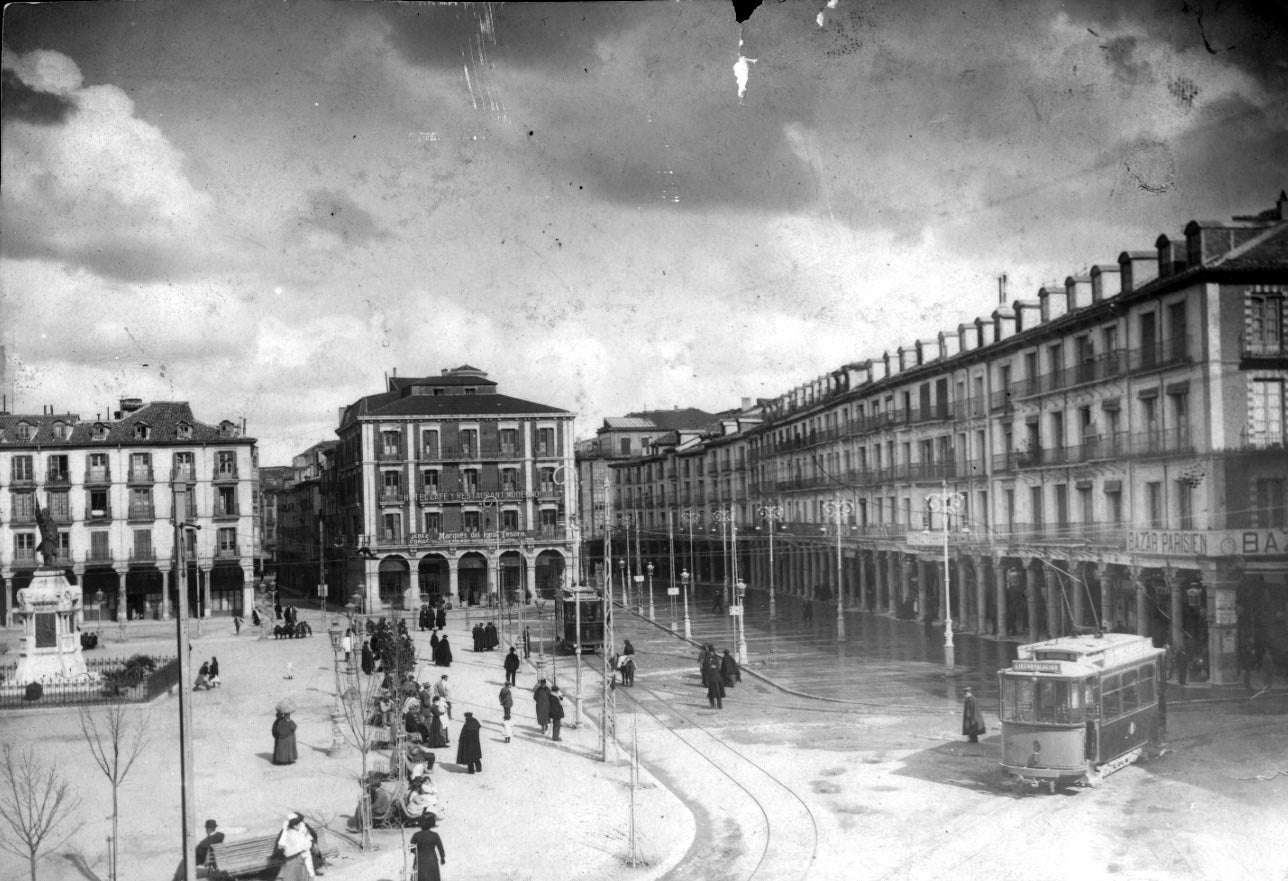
<point x="773" y="515"/>
<point x="688" y="518"/>
<point x="626" y="593"/>
<point x="494" y="502"/>
<point x="725" y="517"/>
<point x="671" y="589"/>
<point x="651" y="615"/>
<point x="739" y="592"/>
<point x="947" y="505"/>
<point x="839" y="508"/>
<point x="541" y="633"/>
<point x="684" y="579"/>
<point x="337" y="710"/>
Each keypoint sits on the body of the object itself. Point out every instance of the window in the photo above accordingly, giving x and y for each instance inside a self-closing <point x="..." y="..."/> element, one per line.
<point x="99" y="548"/>
<point x="1148" y="340"/>
<point x="1062" y="506"/>
<point x="429" y="444"/>
<point x="1154" y="504"/>
<point x="227" y="542"/>
<point x="141" y="502"/>
<point x="1055" y="360"/>
<point x="1149" y="417"/>
<point x="1031" y="372"/>
<point x="100" y="431"/>
<point x="391" y="527"/>
<point x="549" y="519"/>
<point x="184" y="468"/>
<point x="1114" y="506"/>
<point x="226" y="502"/>
<point x="184" y="431"/>
<point x="469" y="441"/>
<point x="389" y="444"/>
<point x="1111" y="697"/>
<point x="59" y="506"/>
<point x="470" y="480"/>
<point x="391" y="484"/>
<point x="1086" y="353"/>
<point x="24" y="507"/>
<point x="431" y="483"/>
<point x="470" y="521"/>
<point x="1265" y="323"/>
<point x="1267" y="428"/>
<point x="433" y="522"/>
<point x="546" y="478"/>
<point x="61" y="431"/>
<point x="24" y="547"/>
<point x="1009" y="500"/>
<point x="1270" y="503"/>
<point x="96" y="463"/>
<point x="545" y="442"/>
<point x="98" y="507"/>
<point x="1086" y="511"/>
<point x="140" y="466"/>
<point x="509" y="480"/>
<point x="624" y="445"/>
<point x="25" y="431"/>
<point x="1184" y="504"/>
<point x="510" y="521"/>
<point x="509" y="441"/>
<point x="142" y="431"/>
<point x="1035" y="505"/>
<point x="22" y="469"/>
<point x="1180" y="347"/>
<point x="142" y="545"/>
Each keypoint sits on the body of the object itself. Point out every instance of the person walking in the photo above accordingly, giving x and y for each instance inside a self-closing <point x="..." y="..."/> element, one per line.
<point x="438" y="738"/>
<point x="443" y="654"/>
<point x="556" y="712"/>
<point x="346" y="644"/>
<point x="711" y="678"/>
<point x="433" y="643"/>
<point x="506" y="697"/>
<point x="237" y="623"/>
<point x="477" y="634"/>
<point x="512" y="667"/>
<point x="442" y="691"/>
<point x="368" y="658"/>
<point x="717" y="603"/>
<point x="469" y="751"/>
<point x="284" y="749"/>
<point x="215" y="681"/>
<point x="490" y="638"/>
<point x="541" y="697"/>
<point x="730" y="672"/>
<point x="428" y="849"/>
<point x="972" y="717"/>
<point x="440" y="618"/>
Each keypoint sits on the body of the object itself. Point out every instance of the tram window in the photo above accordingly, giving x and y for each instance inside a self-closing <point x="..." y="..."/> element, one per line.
<point x="1146" y="684"/>
<point x="1109" y="696"/>
<point x="1129" y="696"/>
<point x="1019" y="700"/>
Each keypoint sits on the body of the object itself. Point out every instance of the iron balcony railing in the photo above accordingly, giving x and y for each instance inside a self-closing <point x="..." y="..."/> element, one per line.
<point x="225" y="472"/>
<point x="1263" y="345"/>
<point x="140" y="474"/>
<point x="141" y="512"/>
<point x="99" y="555"/>
<point x="143" y="555"/>
<point x="226" y="552"/>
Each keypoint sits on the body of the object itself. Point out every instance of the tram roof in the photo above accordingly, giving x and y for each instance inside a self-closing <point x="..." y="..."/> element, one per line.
<point x="1092" y="651"/>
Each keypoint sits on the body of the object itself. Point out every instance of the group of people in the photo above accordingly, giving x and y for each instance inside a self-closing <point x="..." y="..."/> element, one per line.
<point x="425" y="709"/>
<point x="719" y="672"/>
<point x="549" y="707"/>
<point x="384" y="649"/>
<point x="431" y="618"/>
<point x="485" y="637"/>
<point x="440" y="650"/>
<point x="208" y="675"/>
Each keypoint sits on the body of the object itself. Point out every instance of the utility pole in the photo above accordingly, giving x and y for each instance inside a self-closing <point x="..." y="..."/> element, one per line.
<point x="605" y="690"/>
<point x="187" y="783"/>
<point x="322" y="587"/>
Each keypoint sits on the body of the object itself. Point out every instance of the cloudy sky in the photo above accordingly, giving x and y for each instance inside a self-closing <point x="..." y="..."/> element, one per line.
<point x="262" y="208"/>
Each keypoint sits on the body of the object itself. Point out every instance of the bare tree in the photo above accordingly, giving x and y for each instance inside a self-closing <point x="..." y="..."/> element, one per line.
<point x="34" y="802"/>
<point x="115" y="740"/>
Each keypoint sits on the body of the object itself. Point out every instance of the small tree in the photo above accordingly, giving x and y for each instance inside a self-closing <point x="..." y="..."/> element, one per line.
<point x="35" y="801"/>
<point x="115" y="741"/>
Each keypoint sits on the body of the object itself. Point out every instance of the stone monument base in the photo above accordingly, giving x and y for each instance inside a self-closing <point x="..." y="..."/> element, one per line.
<point x="49" y="649"/>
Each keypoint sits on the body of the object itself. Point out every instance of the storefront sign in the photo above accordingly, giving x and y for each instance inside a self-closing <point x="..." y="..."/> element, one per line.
<point x="1211" y="543"/>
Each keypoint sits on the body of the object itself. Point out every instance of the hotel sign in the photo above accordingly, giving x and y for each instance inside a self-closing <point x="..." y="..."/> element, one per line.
<point x="1208" y="543"/>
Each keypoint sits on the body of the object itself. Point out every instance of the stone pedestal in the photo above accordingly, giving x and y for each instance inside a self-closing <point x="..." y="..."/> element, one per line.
<point x="49" y="649"/>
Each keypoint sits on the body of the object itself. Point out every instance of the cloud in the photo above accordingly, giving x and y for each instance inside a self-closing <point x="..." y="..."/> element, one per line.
<point x="330" y="218"/>
<point x="92" y="185"/>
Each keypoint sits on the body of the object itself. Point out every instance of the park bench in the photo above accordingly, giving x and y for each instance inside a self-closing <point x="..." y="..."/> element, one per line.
<point x="252" y="856"/>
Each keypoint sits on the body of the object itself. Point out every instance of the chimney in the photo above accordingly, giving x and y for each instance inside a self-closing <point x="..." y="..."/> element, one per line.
<point x="746" y="403"/>
<point x="949" y="344"/>
<point x="1001" y="289"/>
<point x="1105" y="281"/>
<point x="982" y="335"/>
<point x="967" y="338"/>
<point x="129" y="405"/>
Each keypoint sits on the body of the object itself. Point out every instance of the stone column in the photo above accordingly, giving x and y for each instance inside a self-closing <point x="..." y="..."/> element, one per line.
<point x="865" y="587"/>
<point x="203" y="578"/>
<point x="922" y="577"/>
<point x="1051" y="589"/>
<point x="1031" y="594"/>
<point x="904" y="563"/>
<point x="1176" y="595"/>
<point x="122" y="573"/>
<point x="1106" y="596"/>
<point x="981" y="595"/>
<point x="1142" y="605"/>
<point x="530" y="577"/>
<point x="999" y="588"/>
<point x="1077" y="602"/>
<point x="248" y="591"/>
<point x="453" y="580"/>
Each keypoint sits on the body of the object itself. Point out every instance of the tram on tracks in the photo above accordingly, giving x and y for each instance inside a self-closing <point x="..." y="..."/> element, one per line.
<point x="1077" y="708"/>
<point x="574" y="605"/>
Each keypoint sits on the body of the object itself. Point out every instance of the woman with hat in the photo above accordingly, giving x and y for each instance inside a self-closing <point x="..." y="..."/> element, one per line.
<point x="284" y="751"/>
<point x="426" y="845"/>
<point x="297" y="847"/>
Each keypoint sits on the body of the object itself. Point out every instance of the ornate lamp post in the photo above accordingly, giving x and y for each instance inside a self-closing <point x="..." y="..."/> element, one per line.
<point x="649" y="569"/>
<point x="725" y="517"/>
<point x="773" y="515"/>
<point x="688" y="518"/>
<point x="839" y="508"/>
<point x="684" y="579"/>
<point x="947" y="505"/>
<point x="739" y="592"/>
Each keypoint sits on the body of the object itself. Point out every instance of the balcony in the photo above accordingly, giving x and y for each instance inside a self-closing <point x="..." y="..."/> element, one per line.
<point x="143" y="555"/>
<point x="24" y="557"/>
<point x="99" y="515"/>
<point x="226" y="512"/>
<point x="1164" y="353"/>
<point x="226" y="552"/>
<point x="184" y="474"/>
<point x="142" y="512"/>
<point x="58" y="478"/>
<point x="1256" y="346"/>
<point x="1000" y="400"/>
<point x="1263" y="439"/>
<point x="100" y="555"/>
<point x="140" y="474"/>
<point x="1161" y="442"/>
<point x="22" y="480"/>
<point x="391" y="454"/>
<point x="63" y="516"/>
<point x="98" y="476"/>
<point x="392" y="496"/>
<point x="928" y="471"/>
<point x="224" y="473"/>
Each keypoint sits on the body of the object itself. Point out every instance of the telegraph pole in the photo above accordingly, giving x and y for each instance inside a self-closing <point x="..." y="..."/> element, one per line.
<point x="187" y="785"/>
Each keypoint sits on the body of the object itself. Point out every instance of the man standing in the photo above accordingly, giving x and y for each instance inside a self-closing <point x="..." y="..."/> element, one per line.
<point x="469" y="751"/>
<point x="507" y="704"/>
<point x="442" y="691"/>
<point x="556" y="712"/>
<point x="541" y="696"/>
<point x="972" y="718"/>
<point x="512" y="667"/>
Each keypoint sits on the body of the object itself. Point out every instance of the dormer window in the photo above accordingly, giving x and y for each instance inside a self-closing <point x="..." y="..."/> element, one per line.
<point x="60" y="431"/>
<point x="227" y="428"/>
<point x="25" y="431"/>
<point x="142" y="431"/>
<point x="184" y="431"/>
<point x="100" y="431"/>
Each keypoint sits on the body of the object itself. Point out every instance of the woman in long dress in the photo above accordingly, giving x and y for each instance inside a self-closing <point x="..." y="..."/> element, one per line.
<point x="296" y="845"/>
<point x="437" y="732"/>
<point x="429" y="850"/>
<point x="284" y="751"/>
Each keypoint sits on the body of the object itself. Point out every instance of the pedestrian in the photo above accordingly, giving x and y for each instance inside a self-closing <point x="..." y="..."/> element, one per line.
<point x="423" y="619"/>
<point x="527" y="642"/>
<point x="629" y="649"/>
<point x="346" y="643"/>
<point x="807" y="613"/>
<point x="972" y="717"/>
<point x="556" y="712"/>
<point x="441" y="690"/>
<point x="717" y="604"/>
<point x="469" y="751"/>
<point x="426" y="843"/>
<point x="440" y="618"/>
<point x="297" y="849"/>
<point x="627" y="669"/>
<point x="490" y="639"/>
<point x="368" y="658"/>
<point x="254" y="617"/>
<point x="277" y="610"/>
<point x="433" y="643"/>
<point x="506" y="697"/>
<point x="438" y="738"/>
<point x="512" y="667"/>
<point x="1267" y="670"/>
<point x="237" y="623"/>
<point x="284" y="750"/>
<point x="477" y="633"/>
<point x="730" y="672"/>
<point x="711" y="678"/>
<point x="215" y="681"/>
<point x="203" y="677"/>
<point x="541" y="697"/>
<point x="443" y="654"/>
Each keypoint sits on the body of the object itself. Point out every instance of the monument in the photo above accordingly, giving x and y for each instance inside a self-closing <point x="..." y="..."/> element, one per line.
<point x="49" y="649"/>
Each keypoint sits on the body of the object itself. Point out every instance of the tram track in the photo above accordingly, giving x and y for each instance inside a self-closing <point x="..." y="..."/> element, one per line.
<point x="786" y="854"/>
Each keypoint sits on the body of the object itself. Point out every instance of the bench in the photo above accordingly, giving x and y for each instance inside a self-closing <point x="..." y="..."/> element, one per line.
<point x="252" y="856"/>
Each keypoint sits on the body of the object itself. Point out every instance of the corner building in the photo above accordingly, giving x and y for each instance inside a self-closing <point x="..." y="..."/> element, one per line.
<point x="443" y="487"/>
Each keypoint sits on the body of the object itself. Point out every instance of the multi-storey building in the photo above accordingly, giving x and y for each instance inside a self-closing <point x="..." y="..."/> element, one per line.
<point x="442" y="486"/>
<point x="1113" y="449"/>
<point x="108" y="487"/>
<point x="300" y="534"/>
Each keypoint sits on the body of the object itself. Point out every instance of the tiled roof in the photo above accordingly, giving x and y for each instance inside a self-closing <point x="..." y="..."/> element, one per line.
<point x="402" y="382"/>
<point x="1267" y="250"/>
<point x="162" y="418"/>
<point x="686" y="417"/>
<point x="484" y="406"/>
<point x="628" y="422"/>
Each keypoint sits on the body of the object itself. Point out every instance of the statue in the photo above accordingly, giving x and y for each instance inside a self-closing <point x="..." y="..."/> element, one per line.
<point x="48" y="546"/>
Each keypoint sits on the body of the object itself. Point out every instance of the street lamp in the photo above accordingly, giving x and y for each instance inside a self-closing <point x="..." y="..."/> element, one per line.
<point x="947" y="505"/>
<point x="684" y="579"/>
<point x="688" y="518"/>
<point x="649" y="568"/>
<point x="839" y="508"/>
<point x="626" y="593"/>
<point x="740" y="591"/>
<point x="725" y="517"/>
<point x="773" y="514"/>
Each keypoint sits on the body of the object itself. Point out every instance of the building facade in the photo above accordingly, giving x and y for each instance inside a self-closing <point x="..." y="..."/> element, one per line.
<point x="108" y="486"/>
<point x="1107" y="454"/>
<point x="443" y="487"/>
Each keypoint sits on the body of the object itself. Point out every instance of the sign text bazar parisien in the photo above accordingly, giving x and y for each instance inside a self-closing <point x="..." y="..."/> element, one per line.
<point x="1208" y="543"/>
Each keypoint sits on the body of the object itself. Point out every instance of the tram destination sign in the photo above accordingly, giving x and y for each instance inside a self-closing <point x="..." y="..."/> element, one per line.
<point x="1036" y="666"/>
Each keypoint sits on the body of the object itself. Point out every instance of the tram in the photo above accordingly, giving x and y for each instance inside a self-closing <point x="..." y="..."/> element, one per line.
<point x="582" y="604"/>
<point x="1077" y="708"/>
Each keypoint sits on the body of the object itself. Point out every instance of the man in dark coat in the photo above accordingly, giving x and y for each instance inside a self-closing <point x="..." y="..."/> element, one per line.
<point x="972" y="718"/>
<point x="433" y="643"/>
<point x="440" y="618"/>
<point x="477" y="633"/>
<point x="556" y="712"/>
<point x="443" y="654"/>
<point x="368" y="658"/>
<point x="423" y="620"/>
<point x="730" y="673"/>
<point x="541" y="695"/>
<point x="512" y="668"/>
<point x="490" y="640"/>
<point x="469" y="751"/>
<point x="711" y="678"/>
